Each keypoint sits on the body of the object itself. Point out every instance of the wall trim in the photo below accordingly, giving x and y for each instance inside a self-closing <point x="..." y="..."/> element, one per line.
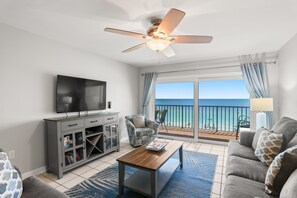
<point x="34" y="172"/>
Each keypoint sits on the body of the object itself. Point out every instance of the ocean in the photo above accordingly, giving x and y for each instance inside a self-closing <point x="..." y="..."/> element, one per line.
<point x="214" y="114"/>
<point x="205" y="102"/>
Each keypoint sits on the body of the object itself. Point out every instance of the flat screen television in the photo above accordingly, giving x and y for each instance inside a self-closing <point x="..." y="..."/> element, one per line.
<point x="79" y="94"/>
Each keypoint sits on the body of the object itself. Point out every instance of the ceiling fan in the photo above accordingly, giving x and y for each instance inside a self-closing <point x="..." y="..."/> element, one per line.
<point x="158" y="36"/>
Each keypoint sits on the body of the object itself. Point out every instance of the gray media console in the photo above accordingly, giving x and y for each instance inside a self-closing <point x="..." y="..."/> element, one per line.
<point x="74" y="141"/>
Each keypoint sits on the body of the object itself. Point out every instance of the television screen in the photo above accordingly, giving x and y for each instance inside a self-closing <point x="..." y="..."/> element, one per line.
<point x="78" y="94"/>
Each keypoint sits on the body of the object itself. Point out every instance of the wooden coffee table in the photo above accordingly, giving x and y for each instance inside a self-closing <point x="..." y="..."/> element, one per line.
<point x="154" y="169"/>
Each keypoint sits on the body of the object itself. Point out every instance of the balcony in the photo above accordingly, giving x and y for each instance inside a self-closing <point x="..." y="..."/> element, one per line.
<point x="214" y="122"/>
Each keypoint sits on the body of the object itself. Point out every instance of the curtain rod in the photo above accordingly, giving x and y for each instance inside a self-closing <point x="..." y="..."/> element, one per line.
<point x="218" y="67"/>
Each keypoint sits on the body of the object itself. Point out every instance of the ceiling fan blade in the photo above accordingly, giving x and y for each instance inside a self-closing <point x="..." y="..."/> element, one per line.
<point x="191" y="39"/>
<point x="168" y="52"/>
<point x="133" y="48"/>
<point x="127" y="33"/>
<point x="170" y="21"/>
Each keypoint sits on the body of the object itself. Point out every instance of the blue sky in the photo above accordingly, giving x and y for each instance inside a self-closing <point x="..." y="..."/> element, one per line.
<point x="222" y="89"/>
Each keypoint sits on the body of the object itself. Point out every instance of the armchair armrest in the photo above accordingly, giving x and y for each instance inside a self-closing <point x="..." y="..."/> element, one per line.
<point x="130" y="128"/>
<point x="152" y="124"/>
<point x="246" y="138"/>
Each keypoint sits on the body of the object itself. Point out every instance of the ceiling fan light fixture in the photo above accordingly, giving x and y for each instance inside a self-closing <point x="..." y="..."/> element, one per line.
<point x="158" y="45"/>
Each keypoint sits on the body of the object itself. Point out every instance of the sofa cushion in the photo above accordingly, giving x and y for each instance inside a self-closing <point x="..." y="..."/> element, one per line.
<point x="289" y="189"/>
<point x="236" y="187"/>
<point x="246" y="138"/>
<point x="269" y="145"/>
<point x="256" y="137"/>
<point x="293" y="142"/>
<point x="250" y="169"/>
<point x="288" y="127"/>
<point x="279" y="170"/>
<point x="236" y="149"/>
<point x="10" y="181"/>
<point x="34" y="187"/>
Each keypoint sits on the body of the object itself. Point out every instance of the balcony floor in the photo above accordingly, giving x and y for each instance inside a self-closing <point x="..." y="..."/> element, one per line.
<point x="203" y="134"/>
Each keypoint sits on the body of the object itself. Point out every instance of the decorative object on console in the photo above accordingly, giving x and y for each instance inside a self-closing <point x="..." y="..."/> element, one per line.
<point x="268" y="146"/>
<point x="11" y="182"/>
<point x="260" y="105"/>
<point x="283" y="165"/>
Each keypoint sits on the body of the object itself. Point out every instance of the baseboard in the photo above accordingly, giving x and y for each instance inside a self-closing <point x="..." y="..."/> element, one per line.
<point x="124" y="139"/>
<point x="34" y="172"/>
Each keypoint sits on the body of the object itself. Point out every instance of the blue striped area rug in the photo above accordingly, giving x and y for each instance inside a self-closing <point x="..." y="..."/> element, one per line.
<point x="194" y="180"/>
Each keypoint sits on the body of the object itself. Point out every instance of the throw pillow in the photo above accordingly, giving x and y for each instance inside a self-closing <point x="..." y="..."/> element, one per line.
<point x="256" y="137"/>
<point x="139" y="121"/>
<point x="10" y="181"/>
<point x="268" y="146"/>
<point x="293" y="142"/>
<point x="279" y="171"/>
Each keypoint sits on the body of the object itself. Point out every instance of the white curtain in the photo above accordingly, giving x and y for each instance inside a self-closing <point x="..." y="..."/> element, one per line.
<point x="256" y="80"/>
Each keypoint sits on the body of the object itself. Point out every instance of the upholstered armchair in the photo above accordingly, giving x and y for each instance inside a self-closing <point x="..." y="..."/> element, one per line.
<point x="141" y="135"/>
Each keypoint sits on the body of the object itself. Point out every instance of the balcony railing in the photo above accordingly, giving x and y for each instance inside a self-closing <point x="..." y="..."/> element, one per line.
<point x="212" y="118"/>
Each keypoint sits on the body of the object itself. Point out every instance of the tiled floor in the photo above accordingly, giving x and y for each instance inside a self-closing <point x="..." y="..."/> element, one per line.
<point x="77" y="175"/>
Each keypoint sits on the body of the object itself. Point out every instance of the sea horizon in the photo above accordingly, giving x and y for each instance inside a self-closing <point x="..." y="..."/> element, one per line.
<point x="204" y="102"/>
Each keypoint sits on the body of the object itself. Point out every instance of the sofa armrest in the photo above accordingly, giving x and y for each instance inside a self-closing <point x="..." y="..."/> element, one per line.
<point x="246" y="138"/>
<point x="152" y="124"/>
<point x="34" y="187"/>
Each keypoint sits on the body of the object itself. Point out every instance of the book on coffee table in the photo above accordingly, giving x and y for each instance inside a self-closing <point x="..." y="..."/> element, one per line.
<point x="156" y="145"/>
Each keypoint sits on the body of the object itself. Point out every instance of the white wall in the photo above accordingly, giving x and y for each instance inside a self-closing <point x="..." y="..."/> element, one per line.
<point x="288" y="79"/>
<point x="28" y="68"/>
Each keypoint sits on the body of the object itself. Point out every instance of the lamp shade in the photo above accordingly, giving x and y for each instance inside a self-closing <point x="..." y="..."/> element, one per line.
<point x="261" y="104"/>
<point x="158" y="44"/>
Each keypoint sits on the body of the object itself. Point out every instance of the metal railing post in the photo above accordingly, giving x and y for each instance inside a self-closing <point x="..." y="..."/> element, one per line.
<point x="217" y="119"/>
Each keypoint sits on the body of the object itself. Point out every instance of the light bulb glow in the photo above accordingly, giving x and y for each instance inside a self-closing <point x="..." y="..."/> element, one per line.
<point x="158" y="44"/>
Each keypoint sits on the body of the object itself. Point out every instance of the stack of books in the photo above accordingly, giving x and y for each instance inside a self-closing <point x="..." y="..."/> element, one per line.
<point x="156" y="145"/>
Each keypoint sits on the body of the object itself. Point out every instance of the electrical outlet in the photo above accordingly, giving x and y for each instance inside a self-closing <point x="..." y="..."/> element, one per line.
<point x="11" y="154"/>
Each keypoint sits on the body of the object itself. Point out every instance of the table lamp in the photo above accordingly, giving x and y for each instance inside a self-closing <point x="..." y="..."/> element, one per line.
<point x="260" y="105"/>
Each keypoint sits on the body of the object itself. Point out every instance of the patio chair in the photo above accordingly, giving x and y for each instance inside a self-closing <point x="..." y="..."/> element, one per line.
<point x="141" y="135"/>
<point x="242" y="122"/>
<point x="161" y="120"/>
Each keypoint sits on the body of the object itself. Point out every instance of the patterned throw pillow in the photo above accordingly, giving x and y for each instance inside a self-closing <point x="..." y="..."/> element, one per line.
<point x="268" y="146"/>
<point x="10" y="181"/>
<point x="283" y="165"/>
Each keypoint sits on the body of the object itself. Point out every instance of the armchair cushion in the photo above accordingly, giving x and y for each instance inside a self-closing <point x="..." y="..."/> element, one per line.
<point x="139" y="121"/>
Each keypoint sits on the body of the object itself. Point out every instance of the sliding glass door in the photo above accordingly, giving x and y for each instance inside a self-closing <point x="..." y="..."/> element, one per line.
<point x="174" y="108"/>
<point x="223" y="104"/>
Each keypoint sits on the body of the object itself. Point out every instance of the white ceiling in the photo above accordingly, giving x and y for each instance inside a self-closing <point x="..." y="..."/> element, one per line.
<point x="238" y="26"/>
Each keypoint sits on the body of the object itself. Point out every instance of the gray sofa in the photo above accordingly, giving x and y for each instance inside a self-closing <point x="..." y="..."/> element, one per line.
<point x="34" y="187"/>
<point x="245" y="174"/>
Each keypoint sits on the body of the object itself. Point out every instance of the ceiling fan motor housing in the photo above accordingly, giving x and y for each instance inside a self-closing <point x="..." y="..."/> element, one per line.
<point x="152" y="30"/>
